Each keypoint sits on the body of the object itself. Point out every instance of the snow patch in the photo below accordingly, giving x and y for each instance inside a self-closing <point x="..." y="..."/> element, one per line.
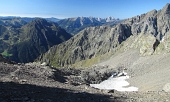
<point x="117" y="83"/>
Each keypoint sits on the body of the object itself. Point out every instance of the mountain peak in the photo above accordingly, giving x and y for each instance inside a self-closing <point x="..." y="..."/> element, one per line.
<point x="166" y="8"/>
<point x="167" y="5"/>
<point x="40" y="20"/>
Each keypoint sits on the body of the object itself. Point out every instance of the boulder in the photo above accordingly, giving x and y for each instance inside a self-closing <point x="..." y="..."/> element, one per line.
<point x="166" y="87"/>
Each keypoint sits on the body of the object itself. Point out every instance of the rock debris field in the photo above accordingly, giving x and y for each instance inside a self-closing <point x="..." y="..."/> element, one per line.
<point x="33" y="82"/>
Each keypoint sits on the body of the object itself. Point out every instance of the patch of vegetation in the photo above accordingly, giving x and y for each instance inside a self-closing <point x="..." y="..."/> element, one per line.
<point x="55" y="64"/>
<point x="5" y="53"/>
<point x="160" y="48"/>
<point x="92" y="61"/>
<point x="87" y="62"/>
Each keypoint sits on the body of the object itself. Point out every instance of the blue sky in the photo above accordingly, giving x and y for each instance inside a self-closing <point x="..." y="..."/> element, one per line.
<point x="72" y="8"/>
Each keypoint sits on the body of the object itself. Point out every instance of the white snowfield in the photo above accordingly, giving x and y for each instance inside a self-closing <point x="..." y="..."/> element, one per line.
<point x="118" y="83"/>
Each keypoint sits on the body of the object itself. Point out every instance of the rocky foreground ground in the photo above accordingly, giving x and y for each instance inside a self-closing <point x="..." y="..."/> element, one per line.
<point x="36" y="83"/>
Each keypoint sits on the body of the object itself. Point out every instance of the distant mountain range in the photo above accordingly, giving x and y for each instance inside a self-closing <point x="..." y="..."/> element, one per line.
<point x="27" y="19"/>
<point x="108" y="19"/>
<point x="71" y="25"/>
<point x="74" y="25"/>
<point x="23" y="39"/>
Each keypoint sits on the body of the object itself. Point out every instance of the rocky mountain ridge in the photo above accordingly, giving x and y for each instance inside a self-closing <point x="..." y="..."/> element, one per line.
<point x="145" y="32"/>
<point x="87" y="44"/>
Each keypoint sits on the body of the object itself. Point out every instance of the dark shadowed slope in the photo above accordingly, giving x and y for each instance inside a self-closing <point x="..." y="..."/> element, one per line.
<point x="26" y="43"/>
<point x="2" y="59"/>
<point x="12" y="92"/>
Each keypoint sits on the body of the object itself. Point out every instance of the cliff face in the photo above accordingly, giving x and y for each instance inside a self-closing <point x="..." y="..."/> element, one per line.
<point x="148" y="32"/>
<point x="154" y="22"/>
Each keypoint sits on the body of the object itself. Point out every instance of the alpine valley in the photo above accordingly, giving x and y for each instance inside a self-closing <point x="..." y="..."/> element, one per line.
<point x="86" y="59"/>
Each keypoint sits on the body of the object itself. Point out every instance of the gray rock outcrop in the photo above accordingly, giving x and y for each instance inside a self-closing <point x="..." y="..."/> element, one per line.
<point x="166" y="87"/>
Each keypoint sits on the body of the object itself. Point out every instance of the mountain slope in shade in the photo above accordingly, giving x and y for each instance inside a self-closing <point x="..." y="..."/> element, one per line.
<point x="149" y="33"/>
<point x="31" y="40"/>
<point x="2" y="59"/>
